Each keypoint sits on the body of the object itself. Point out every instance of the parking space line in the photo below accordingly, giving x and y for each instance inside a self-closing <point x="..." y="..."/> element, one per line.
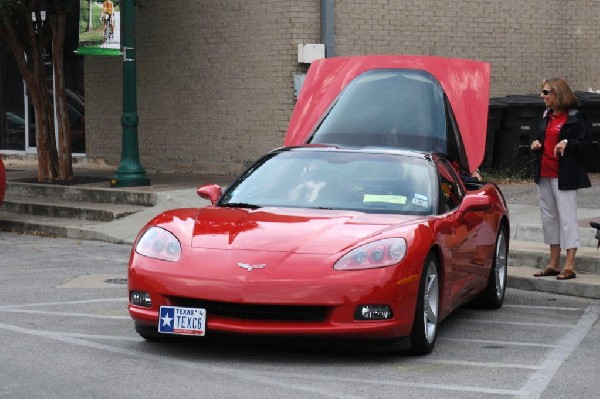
<point x="479" y="364"/>
<point x="403" y="384"/>
<point x="69" y="314"/>
<point x="496" y="342"/>
<point x="101" y="337"/>
<point x="532" y="388"/>
<point x="26" y="305"/>
<point x="542" y="307"/>
<point x="254" y="377"/>
<point x="265" y="377"/>
<point x="514" y="323"/>
<point x="537" y="383"/>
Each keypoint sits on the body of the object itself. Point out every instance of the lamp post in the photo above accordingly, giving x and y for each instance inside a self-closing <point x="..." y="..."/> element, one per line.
<point x="130" y="171"/>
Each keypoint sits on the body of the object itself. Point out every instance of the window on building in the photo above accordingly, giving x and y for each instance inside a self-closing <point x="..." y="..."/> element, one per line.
<point x="17" y="119"/>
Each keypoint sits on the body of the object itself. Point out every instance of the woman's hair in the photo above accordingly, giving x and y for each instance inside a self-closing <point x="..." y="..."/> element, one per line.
<point x="565" y="99"/>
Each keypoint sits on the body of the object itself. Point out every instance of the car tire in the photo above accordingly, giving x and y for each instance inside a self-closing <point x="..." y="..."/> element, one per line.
<point x="493" y="295"/>
<point x="424" y="329"/>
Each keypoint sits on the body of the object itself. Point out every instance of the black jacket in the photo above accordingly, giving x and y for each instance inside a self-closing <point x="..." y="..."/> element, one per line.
<point x="571" y="169"/>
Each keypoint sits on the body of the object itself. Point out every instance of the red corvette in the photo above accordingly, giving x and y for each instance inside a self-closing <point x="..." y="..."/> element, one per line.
<point x="363" y="228"/>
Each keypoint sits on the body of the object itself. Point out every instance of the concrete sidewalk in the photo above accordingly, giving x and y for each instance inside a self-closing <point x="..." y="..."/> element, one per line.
<point x="177" y="190"/>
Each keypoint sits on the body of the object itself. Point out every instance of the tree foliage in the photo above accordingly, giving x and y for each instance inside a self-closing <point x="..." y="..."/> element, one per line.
<point x="29" y="28"/>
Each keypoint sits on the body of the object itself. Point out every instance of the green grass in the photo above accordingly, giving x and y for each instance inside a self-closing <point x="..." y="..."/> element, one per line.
<point x="90" y="39"/>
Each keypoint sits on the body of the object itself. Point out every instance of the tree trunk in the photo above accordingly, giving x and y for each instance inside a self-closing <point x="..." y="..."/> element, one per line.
<point x="65" y="164"/>
<point x="44" y="129"/>
<point x="26" y="37"/>
<point x="90" y="21"/>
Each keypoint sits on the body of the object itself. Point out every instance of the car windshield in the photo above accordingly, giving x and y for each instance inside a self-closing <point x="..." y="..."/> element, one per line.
<point x="388" y="108"/>
<point x="326" y="179"/>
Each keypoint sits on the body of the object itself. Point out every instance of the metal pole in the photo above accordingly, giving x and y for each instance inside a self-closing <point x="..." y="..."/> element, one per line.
<point x="328" y="27"/>
<point x="130" y="171"/>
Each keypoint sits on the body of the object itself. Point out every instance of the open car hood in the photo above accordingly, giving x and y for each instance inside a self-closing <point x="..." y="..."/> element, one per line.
<point x="464" y="82"/>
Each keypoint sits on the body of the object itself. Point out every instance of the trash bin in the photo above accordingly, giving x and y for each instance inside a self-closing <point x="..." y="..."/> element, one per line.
<point x="589" y="104"/>
<point x="495" y="112"/>
<point x="521" y="116"/>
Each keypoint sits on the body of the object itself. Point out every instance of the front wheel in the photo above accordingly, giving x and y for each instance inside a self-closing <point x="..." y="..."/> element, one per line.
<point x="424" y="330"/>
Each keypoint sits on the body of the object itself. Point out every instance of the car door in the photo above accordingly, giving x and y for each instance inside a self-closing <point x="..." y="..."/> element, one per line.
<point x="463" y="234"/>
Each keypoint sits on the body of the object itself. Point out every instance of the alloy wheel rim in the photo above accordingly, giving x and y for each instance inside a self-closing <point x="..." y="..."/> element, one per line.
<point x="501" y="264"/>
<point x="431" y="301"/>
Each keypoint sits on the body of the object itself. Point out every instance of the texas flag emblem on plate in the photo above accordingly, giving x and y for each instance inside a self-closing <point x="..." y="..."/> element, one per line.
<point x="182" y="321"/>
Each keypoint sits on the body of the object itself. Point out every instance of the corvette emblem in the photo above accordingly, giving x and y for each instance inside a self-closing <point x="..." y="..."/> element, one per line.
<point x="250" y="267"/>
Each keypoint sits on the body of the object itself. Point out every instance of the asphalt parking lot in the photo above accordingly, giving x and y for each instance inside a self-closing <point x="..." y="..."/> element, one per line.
<point x="66" y="333"/>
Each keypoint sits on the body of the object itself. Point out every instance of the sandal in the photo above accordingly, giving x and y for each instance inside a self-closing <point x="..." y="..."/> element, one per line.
<point x="566" y="275"/>
<point x="547" y="271"/>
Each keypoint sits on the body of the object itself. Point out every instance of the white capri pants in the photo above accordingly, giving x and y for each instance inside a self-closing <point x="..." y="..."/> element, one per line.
<point x="559" y="214"/>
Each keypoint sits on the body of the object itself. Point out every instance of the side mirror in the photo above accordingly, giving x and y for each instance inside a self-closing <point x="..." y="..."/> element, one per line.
<point x="475" y="202"/>
<point x="211" y="192"/>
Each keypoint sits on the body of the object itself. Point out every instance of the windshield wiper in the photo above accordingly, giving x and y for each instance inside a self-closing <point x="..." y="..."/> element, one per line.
<point x="241" y="205"/>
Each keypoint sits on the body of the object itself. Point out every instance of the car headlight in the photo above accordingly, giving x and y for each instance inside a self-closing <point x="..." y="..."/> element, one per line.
<point x="159" y="243"/>
<point x="382" y="253"/>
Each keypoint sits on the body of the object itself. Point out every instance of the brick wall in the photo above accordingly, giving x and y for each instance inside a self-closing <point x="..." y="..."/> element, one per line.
<point x="214" y="82"/>
<point x="103" y="108"/>
<point x="525" y="41"/>
<point x="215" y="78"/>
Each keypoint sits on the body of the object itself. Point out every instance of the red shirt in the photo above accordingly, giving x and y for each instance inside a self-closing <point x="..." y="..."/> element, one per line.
<point x="549" y="160"/>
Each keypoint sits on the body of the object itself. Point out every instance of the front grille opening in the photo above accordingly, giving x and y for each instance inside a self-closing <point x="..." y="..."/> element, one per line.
<point x="256" y="312"/>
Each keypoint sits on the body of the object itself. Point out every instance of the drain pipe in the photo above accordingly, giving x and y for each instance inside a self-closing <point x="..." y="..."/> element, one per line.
<point x="328" y="27"/>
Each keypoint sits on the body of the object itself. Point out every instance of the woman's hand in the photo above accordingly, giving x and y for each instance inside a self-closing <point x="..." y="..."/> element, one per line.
<point x="536" y="145"/>
<point x="559" y="149"/>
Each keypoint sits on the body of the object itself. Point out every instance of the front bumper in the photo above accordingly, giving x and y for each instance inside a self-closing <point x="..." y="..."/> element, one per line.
<point x="329" y="298"/>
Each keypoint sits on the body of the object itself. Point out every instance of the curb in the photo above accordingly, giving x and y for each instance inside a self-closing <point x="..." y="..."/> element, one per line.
<point x="584" y="285"/>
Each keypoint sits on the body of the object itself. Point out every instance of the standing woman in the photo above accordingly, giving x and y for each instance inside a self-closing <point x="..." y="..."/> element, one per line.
<point x="559" y="146"/>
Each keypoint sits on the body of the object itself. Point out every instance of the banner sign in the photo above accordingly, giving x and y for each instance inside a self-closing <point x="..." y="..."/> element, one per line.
<point x="99" y="28"/>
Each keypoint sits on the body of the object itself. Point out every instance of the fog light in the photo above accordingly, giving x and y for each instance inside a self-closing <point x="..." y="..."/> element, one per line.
<point x="373" y="312"/>
<point x="139" y="298"/>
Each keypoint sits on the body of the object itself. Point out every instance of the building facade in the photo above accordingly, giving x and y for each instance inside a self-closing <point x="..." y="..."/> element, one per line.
<point x="215" y="79"/>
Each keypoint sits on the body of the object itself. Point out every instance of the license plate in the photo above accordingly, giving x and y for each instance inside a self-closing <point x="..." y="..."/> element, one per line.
<point x="182" y="321"/>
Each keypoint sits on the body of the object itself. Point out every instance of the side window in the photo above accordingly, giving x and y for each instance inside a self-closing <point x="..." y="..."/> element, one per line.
<point x="451" y="193"/>
<point x="455" y="150"/>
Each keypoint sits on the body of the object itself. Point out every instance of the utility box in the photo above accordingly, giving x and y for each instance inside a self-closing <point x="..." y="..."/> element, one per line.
<point x="307" y="53"/>
<point x="298" y="83"/>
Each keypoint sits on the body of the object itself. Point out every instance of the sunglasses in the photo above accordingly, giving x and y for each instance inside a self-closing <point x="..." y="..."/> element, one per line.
<point x="546" y="92"/>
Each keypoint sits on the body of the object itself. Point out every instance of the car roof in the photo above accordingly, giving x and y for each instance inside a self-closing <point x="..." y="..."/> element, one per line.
<point x="465" y="82"/>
